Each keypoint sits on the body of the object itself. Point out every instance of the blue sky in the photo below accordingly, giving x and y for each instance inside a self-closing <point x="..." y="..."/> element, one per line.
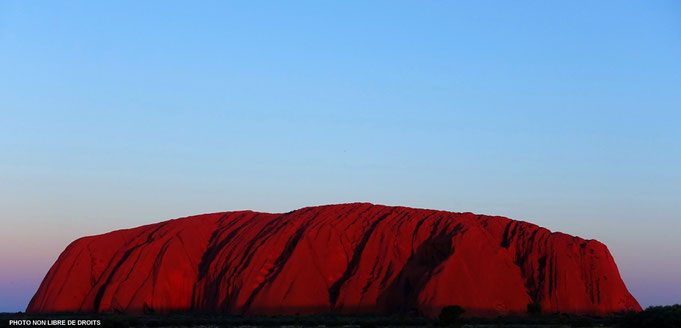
<point x="565" y="114"/>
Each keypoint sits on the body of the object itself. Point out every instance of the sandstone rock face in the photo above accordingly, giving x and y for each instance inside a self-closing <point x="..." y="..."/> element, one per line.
<point x="345" y="258"/>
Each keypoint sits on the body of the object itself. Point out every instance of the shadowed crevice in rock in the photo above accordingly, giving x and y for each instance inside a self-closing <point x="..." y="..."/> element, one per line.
<point x="114" y="270"/>
<point x="216" y="244"/>
<point x="402" y="294"/>
<point x="278" y="263"/>
<point x="335" y="288"/>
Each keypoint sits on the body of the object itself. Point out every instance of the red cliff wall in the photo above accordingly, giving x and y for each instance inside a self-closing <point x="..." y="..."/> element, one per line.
<point x="342" y="258"/>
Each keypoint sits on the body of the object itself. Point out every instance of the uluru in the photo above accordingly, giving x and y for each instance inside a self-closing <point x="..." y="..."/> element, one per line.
<point x="346" y="258"/>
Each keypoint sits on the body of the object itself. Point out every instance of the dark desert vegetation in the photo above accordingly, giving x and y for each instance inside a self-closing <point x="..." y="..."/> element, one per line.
<point x="534" y="308"/>
<point x="451" y="316"/>
<point x="654" y="316"/>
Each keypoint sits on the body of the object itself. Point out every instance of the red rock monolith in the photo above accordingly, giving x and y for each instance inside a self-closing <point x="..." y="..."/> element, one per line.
<point x="346" y="258"/>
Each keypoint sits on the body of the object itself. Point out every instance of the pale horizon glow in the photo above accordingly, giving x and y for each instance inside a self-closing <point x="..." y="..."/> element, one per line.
<point x="565" y="115"/>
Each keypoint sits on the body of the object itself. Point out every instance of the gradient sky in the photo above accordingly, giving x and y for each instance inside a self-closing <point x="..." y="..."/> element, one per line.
<point x="567" y="115"/>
